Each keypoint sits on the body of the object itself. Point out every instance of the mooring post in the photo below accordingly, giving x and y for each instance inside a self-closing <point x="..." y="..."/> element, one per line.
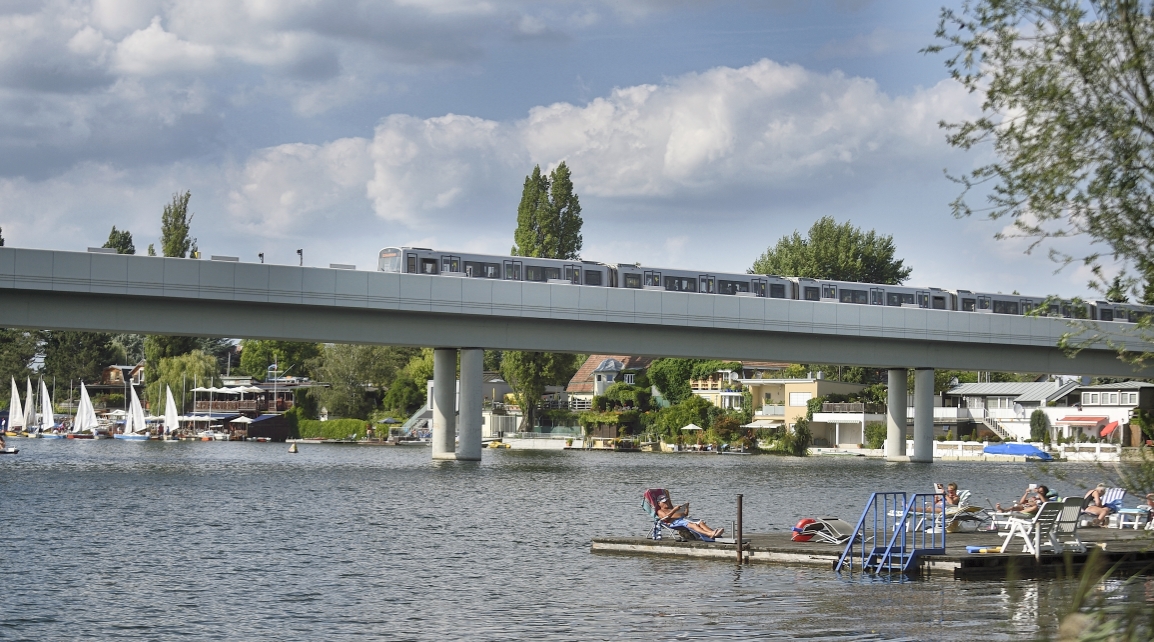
<point x="737" y="535"/>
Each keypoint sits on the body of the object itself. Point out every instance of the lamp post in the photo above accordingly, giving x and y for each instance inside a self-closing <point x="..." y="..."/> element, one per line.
<point x="301" y="254"/>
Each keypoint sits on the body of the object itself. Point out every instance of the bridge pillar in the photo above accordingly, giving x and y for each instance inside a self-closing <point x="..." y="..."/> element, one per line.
<point x="444" y="403"/>
<point x="923" y="415"/>
<point x="896" y="415"/>
<point x="472" y="367"/>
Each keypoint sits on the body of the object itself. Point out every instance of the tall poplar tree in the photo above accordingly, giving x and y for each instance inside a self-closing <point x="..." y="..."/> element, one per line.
<point x="175" y="225"/>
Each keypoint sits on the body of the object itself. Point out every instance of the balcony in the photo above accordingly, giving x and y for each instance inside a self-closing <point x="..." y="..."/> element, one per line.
<point x="248" y="405"/>
<point x="855" y="407"/>
<point x="771" y="411"/>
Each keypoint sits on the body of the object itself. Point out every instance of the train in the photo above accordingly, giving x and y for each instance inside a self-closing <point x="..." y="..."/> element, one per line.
<point x="418" y="260"/>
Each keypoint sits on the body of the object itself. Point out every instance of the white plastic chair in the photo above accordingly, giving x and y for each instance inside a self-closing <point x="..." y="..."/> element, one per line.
<point x="1037" y="532"/>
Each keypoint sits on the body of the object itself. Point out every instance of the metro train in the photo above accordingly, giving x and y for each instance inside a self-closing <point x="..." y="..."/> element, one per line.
<point x="417" y="260"/>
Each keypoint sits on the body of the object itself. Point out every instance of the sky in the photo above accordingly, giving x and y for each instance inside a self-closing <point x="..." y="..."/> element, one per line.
<point x="698" y="132"/>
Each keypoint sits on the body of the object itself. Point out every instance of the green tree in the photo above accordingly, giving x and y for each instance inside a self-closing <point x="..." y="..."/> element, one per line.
<point x="77" y="355"/>
<point x="1067" y="105"/>
<point x="671" y="376"/>
<point x="1" y="237"/>
<point x="548" y="217"/>
<point x="121" y="241"/>
<point x="151" y="250"/>
<point x="356" y="375"/>
<point x="1039" y="426"/>
<point x="835" y="251"/>
<point x="257" y="355"/>
<point x="528" y="374"/>
<point x="693" y="410"/>
<point x="405" y="395"/>
<point x="17" y="350"/>
<point x="182" y="373"/>
<point x="175" y="226"/>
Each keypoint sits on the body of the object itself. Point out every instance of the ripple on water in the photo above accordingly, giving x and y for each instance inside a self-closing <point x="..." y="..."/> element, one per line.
<point x="156" y="541"/>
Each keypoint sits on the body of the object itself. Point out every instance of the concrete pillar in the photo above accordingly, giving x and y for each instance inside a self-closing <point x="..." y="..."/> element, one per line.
<point x="472" y="367"/>
<point x="444" y="403"/>
<point x="923" y="415"/>
<point x="896" y="415"/>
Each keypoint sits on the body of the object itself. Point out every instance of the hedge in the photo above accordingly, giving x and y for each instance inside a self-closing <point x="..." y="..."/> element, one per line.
<point x="332" y="429"/>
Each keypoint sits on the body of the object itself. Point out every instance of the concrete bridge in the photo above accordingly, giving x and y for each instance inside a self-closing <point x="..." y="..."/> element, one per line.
<point x="118" y="293"/>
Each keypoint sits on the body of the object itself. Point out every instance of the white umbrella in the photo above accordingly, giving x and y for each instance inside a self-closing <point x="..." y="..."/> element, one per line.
<point x="117" y="413"/>
<point x="241" y="420"/>
<point x="230" y="391"/>
<point x="203" y="390"/>
<point x="691" y="427"/>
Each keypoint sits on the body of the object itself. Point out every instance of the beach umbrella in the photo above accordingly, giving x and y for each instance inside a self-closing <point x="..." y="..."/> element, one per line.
<point x="241" y="420"/>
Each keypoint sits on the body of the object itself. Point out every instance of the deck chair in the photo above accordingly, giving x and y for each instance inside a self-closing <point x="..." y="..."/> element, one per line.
<point x="679" y="527"/>
<point x="1111" y="498"/>
<point x="828" y="530"/>
<point x="1036" y="533"/>
<point x="1065" y="533"/>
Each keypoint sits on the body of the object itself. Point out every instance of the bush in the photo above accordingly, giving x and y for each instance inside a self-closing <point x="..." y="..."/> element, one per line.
<point x="333" y="429"/>
<point x="1039" y="427"/>
<point x="875" y="434"/>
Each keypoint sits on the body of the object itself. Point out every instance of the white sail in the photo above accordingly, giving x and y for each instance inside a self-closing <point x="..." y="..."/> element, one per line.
<point x="85" y="414"/>
<point x="47" y="419"/>
<point x="171" y="422"/>
<point x="135" y="414"/>
<point x="29" y="408"/>
<point x="15" y="410"/>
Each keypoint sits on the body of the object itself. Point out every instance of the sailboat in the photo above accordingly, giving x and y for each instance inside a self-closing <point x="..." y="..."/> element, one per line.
<point x="171" y="417"/>
<point x="29" y="409"/>
<point x="85" y="424"/>
<point x="134" y="428"/>
<point x="47" y="418"/>
<point x="15" y="413"/>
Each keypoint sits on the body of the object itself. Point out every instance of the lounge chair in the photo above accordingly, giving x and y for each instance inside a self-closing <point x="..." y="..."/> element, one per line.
<point x="1112" y="499"/>
<point x="828" y="530"/>
<point x="1042" y="531"/>
<point x="679" y="527"/>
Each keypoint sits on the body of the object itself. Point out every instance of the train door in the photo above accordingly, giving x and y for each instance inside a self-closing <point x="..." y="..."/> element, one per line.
<point x="757" y="286"/>
<point x="1026" y="305"/>
<point x="573" y="274"/>
<point x="512" y="270"/>
<point x="652" y="277"/>
<point x="450" y="263"/>
<point x="428" y="266"/>
<point x="984" y="304"/>
<point x="923" y="298"/>
<point x="877" y="296"/>
<point x="707" y="284"/>
<point x="411" y="262"/>
<point x="939" y="302"/>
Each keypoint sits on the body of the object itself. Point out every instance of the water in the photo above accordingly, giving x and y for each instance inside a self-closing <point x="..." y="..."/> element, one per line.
<point x="190" y="540"/>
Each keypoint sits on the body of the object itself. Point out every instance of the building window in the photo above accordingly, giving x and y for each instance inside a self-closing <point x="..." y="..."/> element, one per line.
<point x="1089" y="399"/>
<point x="1110" y="398"/>
<point x="629" y="378"/>
<point x="1002" y="403"/>
<point x="598" y="378"/>
<point x="1130" y="398"/>
<point x="798" y="399"/>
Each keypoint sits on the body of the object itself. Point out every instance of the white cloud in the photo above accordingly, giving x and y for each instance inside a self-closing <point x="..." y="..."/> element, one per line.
<point x="153" y="51"/>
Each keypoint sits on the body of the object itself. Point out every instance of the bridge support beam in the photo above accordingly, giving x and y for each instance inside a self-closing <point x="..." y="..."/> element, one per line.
<point x="923" y="416"/>
<point x="472" y="367"/>
<point x="896" y="415"/>
<point x="444" y="403"/>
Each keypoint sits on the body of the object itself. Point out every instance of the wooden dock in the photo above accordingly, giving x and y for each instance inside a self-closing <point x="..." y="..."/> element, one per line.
<point x="1131" y="550"/>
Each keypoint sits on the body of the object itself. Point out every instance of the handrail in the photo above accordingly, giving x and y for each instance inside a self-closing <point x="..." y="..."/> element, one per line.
<point x="880" y="506"/>
<point x="923" y="506"/>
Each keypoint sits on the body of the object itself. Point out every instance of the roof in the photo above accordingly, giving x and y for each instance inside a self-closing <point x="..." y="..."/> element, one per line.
<point x="764" y="365"/>
<point x="1081" y="419"/>
<point x="1123" y="385"/>
<point x="1020" y="390"/>
<point x="582" y="381"/>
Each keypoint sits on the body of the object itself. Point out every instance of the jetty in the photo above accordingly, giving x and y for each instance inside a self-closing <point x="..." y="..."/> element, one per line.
<point x="1131" y="550"/>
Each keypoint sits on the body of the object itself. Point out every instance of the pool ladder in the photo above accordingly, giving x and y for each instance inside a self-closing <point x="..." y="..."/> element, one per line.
<point x="894" y="531"/>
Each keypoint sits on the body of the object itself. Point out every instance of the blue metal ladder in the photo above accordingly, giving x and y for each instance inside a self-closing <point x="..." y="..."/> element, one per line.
<point x="909" y="526"/>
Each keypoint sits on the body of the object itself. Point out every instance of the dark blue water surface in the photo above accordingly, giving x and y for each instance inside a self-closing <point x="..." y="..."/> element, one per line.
<point x="189" y="540"/>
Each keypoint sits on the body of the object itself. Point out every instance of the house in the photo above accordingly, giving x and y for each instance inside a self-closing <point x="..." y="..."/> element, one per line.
<point x="118" y="375"/>
<point x="723" y="388"/>
<point x="781" y="402"/>
<point x="598" y="373"/>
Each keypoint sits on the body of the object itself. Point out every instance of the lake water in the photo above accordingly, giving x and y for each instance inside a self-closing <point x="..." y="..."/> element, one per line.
<point x="190" y="540"/>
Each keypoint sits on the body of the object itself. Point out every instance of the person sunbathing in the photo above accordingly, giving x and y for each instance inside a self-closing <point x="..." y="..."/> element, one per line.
<point x="1093" y="505"/>
<point x="1030" y="502"/>
<point x="679" y="516"/>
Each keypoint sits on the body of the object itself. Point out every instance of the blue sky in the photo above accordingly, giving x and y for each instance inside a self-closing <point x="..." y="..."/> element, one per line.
<point x="698" y="133"/>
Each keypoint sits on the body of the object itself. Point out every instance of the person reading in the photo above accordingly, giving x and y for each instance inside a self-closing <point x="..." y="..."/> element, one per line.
<point x="1031" y="501"/>
<point x="677" y="516"/>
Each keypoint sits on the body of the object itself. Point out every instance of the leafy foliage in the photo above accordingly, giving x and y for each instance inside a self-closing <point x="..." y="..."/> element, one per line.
<point x="175" y="225"/>
<point x="1066" y="109"/>
<point x="182" y="373"/>
<point x="1039" y="426"/>
<point x="876" y="434"/>
<point x="671" y="376"/>
<point x="17" y="350"/>
<point x="694" y="410"/>
<point x="257" y="355"/>
<point x="77" y="355"/>
<point x="121" y="241"/>
<point x="549" y="216"/>
<point x="404" y="395"/>
<point x="834" y="251"/>
<point x="622" y="394"/>
<point x="356" y="374"/>
<point x="528" y="373"/>
<point x="332" y="429"/>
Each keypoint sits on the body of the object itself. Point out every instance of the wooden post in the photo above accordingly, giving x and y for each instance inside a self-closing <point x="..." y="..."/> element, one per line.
<point x="737" y="535"/>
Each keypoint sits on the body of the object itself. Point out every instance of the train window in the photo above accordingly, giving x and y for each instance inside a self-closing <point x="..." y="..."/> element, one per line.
<point x="1136" y="316"/>
<point x="732" y="287"/>
<point x="632" y="281"/>
<point x="968" y="305"/>
<point x="513" y="270"/>
<point x="411" y="263"/>
<point x="535" y="273"/>
<point x="480" y="270"/>
<point x="939" y="303"/>
<point x="983" y="303"/>
<point x="854" y="296"/>
<point x="680" y="284"/>
<point x="812" y="294"/>
<point x="758" y="287"/>
<point x="777" y="290"/>
<point x="450" y="263"/>
<point x="428" y="266"/>
<point x="390" y="261"/>
<point x="898" y="299"/>
<point x="653" y="279"/>
<point x="1005" y="307"/>
<point x="1105" y="314"/>
<point x="707" y="284"/>
<point x="592" y="277"/>
<point x="552" y="273"/>
<point x="828" y="292"/>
